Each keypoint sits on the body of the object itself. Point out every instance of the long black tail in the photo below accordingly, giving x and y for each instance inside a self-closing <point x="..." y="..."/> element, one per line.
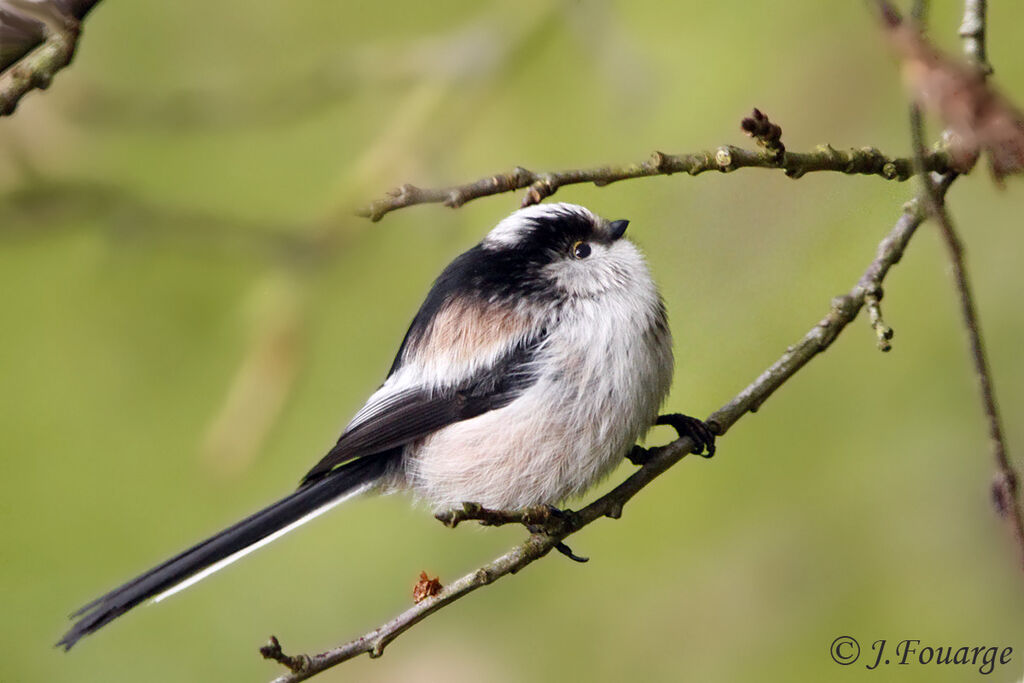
<point x="235" y="539"/>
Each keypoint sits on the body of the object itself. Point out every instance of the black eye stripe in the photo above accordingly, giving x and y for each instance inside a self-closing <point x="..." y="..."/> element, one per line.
<point x="558" y="232"/>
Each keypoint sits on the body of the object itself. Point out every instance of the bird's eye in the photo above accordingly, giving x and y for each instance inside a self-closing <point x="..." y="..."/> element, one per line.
<point x="580" y="250"/>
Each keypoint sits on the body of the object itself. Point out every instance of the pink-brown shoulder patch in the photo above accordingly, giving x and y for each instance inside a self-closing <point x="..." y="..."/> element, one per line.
<point x="466" y="329"/>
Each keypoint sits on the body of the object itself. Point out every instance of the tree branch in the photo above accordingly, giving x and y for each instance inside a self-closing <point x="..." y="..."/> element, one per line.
<point x="37" y="69"/>
<point x="39" y="40"/>
<point x="972" y="30"/>
<point x="42" y="38"/>
<point x="1005" y="493"/>
<point x="552" y="530"/>
<point x="862" y="161"/>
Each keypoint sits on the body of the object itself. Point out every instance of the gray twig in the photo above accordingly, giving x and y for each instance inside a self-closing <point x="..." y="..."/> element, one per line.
<point x="540" y="185"/>
<point x="884" y="333"/>
<point x="539" y="516"/>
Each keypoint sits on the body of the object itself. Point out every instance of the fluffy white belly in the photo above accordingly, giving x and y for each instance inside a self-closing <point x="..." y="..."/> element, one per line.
<point x="569" y="429"/>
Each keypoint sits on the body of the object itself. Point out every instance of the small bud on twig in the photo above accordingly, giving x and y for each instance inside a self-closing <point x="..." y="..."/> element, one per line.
<point x="767" y="134"/>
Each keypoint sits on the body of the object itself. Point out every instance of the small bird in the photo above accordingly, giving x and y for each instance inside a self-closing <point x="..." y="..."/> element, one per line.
<point x="537" y="360"/>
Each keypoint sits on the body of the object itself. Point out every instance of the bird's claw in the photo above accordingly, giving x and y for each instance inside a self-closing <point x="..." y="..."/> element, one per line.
<point x="702" y="434"/>
<point x="567" y="551"/>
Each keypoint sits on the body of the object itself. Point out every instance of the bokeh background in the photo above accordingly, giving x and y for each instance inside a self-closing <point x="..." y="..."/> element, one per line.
<point x="191" y="312"/>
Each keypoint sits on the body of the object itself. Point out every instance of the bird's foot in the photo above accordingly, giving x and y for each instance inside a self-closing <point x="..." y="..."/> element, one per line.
<point x="559" y="521"/>
<point x="701" y="432"/>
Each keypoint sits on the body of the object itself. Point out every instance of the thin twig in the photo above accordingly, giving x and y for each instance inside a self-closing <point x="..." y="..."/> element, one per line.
<point x="60" y="30"/>
<point x="272" y="650"/>
<point x="1005" y="494"/>
<point x="843" y="310"/>
<point x="884" y="333"/>
<point x="1005" y="483"/>
<point x="37" y="69"/>
<point x="972" y="30"/>
<point x="862" y="161"/>
<point x="533" y="516"/>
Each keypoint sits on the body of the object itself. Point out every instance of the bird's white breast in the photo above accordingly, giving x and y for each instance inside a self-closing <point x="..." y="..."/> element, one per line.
<point x="605" y="369"/>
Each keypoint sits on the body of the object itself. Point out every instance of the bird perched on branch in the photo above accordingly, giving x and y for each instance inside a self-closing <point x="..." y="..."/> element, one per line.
<point x="537" y="360"/>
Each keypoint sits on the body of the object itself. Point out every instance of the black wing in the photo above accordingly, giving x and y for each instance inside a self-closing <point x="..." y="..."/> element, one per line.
<point x="396" y="419"/>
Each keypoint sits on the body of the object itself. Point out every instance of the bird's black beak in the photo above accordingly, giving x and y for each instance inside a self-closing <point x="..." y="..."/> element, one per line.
<point x="616" y="228"/>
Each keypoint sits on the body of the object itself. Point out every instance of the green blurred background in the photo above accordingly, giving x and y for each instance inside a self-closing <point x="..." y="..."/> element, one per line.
<point x="191" y="313"/>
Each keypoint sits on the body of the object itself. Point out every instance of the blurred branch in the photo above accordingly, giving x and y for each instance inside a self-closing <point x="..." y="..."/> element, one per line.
<point x="465" y="58"/>
<point x="547" y="532"/>
<point x="25" y="24"/>
<point x="55" y="26"/>
<point x="972" y="30"/>
<point x="465" y="61"/>
<point x="37" y="69"/>
<point x="264" y="380"/>
<point x="462" y="58"/>
<point x="43" y="207"/>
<point x="978" y="117"/>
<point x="462" y="65"/>
<point x="1005" y="493"/>
<point x="863" y="161"/>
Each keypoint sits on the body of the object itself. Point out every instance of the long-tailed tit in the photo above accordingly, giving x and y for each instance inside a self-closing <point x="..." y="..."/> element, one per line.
<point x="538" y="359"/>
